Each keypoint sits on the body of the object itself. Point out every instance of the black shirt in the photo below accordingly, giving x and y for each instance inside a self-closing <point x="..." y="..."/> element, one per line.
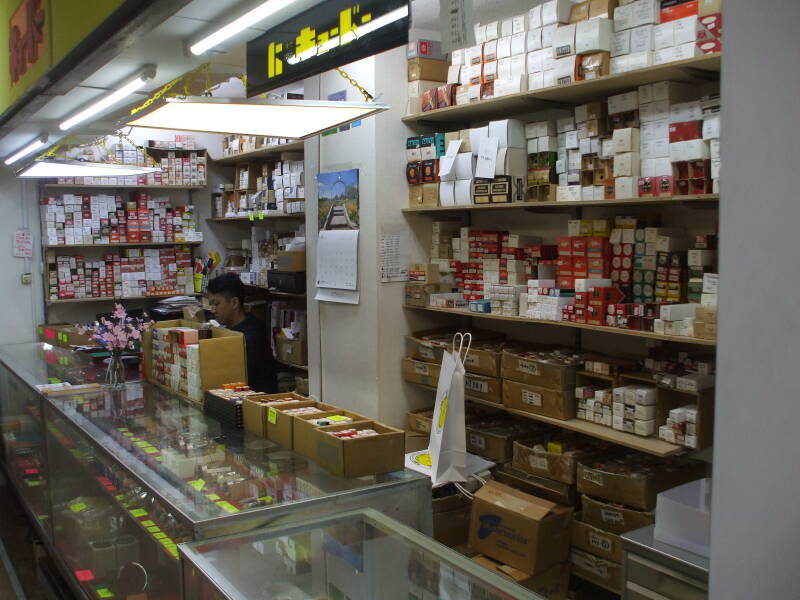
<point x="261" y="366"/>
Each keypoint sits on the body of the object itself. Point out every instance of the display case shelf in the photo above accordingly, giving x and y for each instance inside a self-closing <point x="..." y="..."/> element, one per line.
<point x="701" y="68"/>
<point x="615" y="330"/>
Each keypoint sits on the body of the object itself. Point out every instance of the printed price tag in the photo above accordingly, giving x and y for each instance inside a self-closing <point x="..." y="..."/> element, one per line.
<point x="531" y="368"/>
<point x="538" y="462"/>
<point x="272" y="416"/>
<point x="338" y="418"/>
<point x="143" y="444"/>
<point x="593" y="476"/>
<point x="151" y="450"/>
<point x="147" y="523"/>
<point x="104" y="592"/>
<point x="252" y="217"/>
<point x="261" y="215"/>
<point x="531" y="398"/>
<point x="477" y="441"/>
<point x="160" y="536"/>
<point x="225" y="505"/>
<point x="78" y="507"/>
<point x="476" y="385"/>
<point x="600" y="541"/>
<point x="212" y="497"/>
<point x="154" y="529"/>
<point x="198" y="484"/>
<point x="139" y="512"/>
<point x="421" y="369"/>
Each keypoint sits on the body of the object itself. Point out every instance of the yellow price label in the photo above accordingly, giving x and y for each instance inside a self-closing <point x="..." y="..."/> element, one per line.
<point x="104" y="593"/>
<point x="261" y="215"/>
<point x="252" y="217"/>
<point x="212" y="497"/>
<point x="78" y="507"/>
<point x="148" y="523"/>
<point x="142" y="444"/>
<point x="272" y="416"/>
<point x="338" y="418"/>
<point x="198" y="484"/>
<point x="160" y="536"/>
<point x="151" y="450"/>
<point x="139" y="512"/>
<point x="154" y="529"/>
<point x="225" y="505"/>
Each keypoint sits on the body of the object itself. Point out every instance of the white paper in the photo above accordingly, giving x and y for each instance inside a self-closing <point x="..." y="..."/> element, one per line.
<point x="337" y="259"/>
<point x="340" y="296"/>
<point x="446" y="162"/>
<point x="455" y="15"/>
<point x="23" y="243"/>
<point x="395" y="253"/>
<point x="487" y="158"/>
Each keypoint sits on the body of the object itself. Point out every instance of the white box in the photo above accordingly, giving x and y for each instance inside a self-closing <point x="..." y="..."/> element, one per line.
<point x="519" y="24"/>
<point x="519" y="44"/>
<point x="653" y="111"/>
<point x="623" y="17"/>
<point x="447" y="193"/>
<point x="556" y="11"/>
<point x="548" y="34"/>
<point x="648" y="168"/>
<point x="564" y="41"/>
<point x="607" y="148"/>
<point x="457" y="57"/>
<point x="533" y="39"/>
<point x="492" y="31"/>
<point x="463" y="192"/>
<point x="595" y="35"/>
<point x="711" y="126"/>
<point x="701" y="258"/>
<point x="506" y="27"/>
<point x="688" y="150"/>
<point x="480" y="33"/>
<point x="626" y="140"/>
<point x="645" y="396"/>
<point x="627" y="164"/>
<point x="504" y="68"/>
<point x="621" y="44"/>
<point x="645" y="12"/>
<point x="645" y="94"/>
<point x="535" y="17"/>
<point x="571" y="141"/>
<point x="638" y="60"/>
<point x="510" y="133"/>
<point x="660" y="148"/>
<point x="565" y="124"/>
<point x="585" y="145"/>
<point x="655" y="130"/>
<point x="623" y="103"/>
<point x="587" y="193"/>
<point x="686" y="30"/>
<point x="663" y="166"/>
<point x="677" y="312"/>
<point x="664" y="35"/>
<point x="644" y="428"/>
<point x="473" y="55"/>
<point x="709" y="300"/>
<point x="626" y="187"/>
<point x="642" y="39"/>
<point x="710" y="283"/>
<point x="713" y="146"/>
<point x="685" y="111"/>
<point x="534" y="61"/>
<point x="535" y="81"/>
<point x="715" y="164"/>
<point x="549" y="78"/>
<point x="645" y="413"/>
<point x="686" y="51"/>
<point x="512" y="161"/>
<point x="504" y="47"/>
<point x="464" y="167"/>
<point x="548" y="143"/>
<point x="476" y="136"/>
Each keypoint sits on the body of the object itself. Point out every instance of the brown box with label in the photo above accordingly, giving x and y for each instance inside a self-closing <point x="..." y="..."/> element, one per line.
<point x="537" y="400"/>
<point x="294" y="352"/>
<point x="560" y="467"/>
<point x="451" y="520"/>
<point x="417" y="441"/>
<point x="549" y="489"/>
<point x="552" y="584"/>
<point x="484" y="358"/>
<point x="596" y="541"/>
<point x="523" y="531"/>
<point x="420" y="420"/>
<point x="600" y="571"/>
<point x="419" y="294"/>
<point x="524" y="367"/>
<point x="637" y="490"/>
<point x="429" y="69"/>
<point x="614" y="517"/>
<point x="485" y="388"/>
<point x="254" y="410"/>
<point x="280" y="426"/>
<point x="64" y="335"/>
<point x="417" y="371"/>
<point x="495" y="441"/>
<point x="303" y="441"/>
<point x="430" y="350"/>
<point x="359" y="457"/>
<point x="291" y="260"/>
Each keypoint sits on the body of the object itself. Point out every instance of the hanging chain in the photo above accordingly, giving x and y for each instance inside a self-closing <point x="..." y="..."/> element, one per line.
<point x="367" y="96"/>
<point x="191" y="78"/>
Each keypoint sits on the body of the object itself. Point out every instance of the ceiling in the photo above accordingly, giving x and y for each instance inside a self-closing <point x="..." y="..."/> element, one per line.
<point x="164" y="46"/>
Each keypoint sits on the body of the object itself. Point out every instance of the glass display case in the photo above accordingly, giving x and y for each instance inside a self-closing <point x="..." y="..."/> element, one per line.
<point x="117" y="478"/>
<point x="358" y="555"/>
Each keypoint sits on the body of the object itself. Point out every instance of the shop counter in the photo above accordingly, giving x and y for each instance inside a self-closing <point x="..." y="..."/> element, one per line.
<point x="359" y="555"/>
<point x="116" y="479"/>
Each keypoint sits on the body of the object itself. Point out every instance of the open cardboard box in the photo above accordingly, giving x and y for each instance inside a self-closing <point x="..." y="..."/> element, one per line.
<point x="358" y="457"/>
<point x="415" y="371"/>
<point x="600" y="571"/>
<point x="555" y="491"/>
<point x="420" y="420"/>
<point x="303" y="442"/>
<point x="496" y="441"/>
<point x="222" y="356"/>
<point x="555" y="403"/>
<point x="552" y="584"/>
<point x="254" y="410"/>
<point x="596" y="541"/>
<point x="523" y="531"/>
<point x="613" y="517"/>
<point x="64" y="335"/>
<point x="280" y="426"/>
<point x="516" y="366"/>
<point x="560" y="467"/>
<point x="294" y="352"/>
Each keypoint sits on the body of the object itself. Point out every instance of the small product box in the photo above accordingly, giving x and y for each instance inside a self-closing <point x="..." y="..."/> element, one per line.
<point x="359" y="449"/>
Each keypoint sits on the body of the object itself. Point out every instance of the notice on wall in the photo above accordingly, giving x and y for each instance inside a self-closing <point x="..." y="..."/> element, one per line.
<point x="395" y="254"/>
<point x="23" y="243"/>
<point x="454" y="24"/>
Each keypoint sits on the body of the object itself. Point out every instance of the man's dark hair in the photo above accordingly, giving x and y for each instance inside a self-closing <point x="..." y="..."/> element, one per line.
<point x="229" y="285"/>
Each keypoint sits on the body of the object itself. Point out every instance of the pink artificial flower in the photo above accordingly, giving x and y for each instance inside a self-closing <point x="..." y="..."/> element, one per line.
<point x="136" y="334"/>
<point x="119" y="311"/>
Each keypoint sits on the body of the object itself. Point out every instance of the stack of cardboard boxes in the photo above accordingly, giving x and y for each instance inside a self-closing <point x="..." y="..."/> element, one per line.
<point x="540" y="382"/>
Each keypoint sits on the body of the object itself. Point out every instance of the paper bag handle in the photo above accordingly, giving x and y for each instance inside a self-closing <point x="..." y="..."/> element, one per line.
<point x="459" y="339"/>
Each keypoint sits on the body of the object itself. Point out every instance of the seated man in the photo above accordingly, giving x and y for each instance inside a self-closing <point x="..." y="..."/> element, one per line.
<point x="226" y="294"/>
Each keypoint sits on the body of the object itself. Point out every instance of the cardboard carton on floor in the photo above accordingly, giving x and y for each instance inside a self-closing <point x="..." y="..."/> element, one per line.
<point x="558" y="404"/>
<point x="358" y="457"/>
<point x="596" y="541"/>
<point x="600" y="571"/>
<point x="613" y="517"/>
<point x="636" y="490"/>
<point x="525" y="532"/>
<point x="552" y="584"/>
<point x="303" y="441"/>
<point x="280" y="426"/>
<point x="555" y="491"/>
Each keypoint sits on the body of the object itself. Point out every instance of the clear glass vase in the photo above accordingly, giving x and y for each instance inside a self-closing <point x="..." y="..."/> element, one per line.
<point x="115" y="373"/>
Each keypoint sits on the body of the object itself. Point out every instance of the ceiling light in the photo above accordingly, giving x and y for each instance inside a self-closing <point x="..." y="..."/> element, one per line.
<point x="114" y="97"/>
<point x="79" y="168"/>
<point x="35" y="145"/>
<point x="255" y="116"/>
<point x="248" y="19"/>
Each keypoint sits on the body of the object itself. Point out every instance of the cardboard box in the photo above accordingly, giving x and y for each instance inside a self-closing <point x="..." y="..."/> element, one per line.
<point x="595" y="35"/>
<point x="420" y="420"/>
<point x="427" y="68"/>
<point x="559" y="467"/>
<point x="482" y="387"/>
<point x="613" y="517"/>
<point x="280" y="426"/>
<point x="523" y="531"/>
<point x="635" y="491"/>
<point x="484" y="358"/>
<point x="359" y="457"/>
<point x="450" y="519"/>
<point x="415" y="371"/>
<point x="419" y="294"/>
<point x="291" y="260"/>
<point x="425" y="350"/>
<point x="600" y="571"/>
<point x="547" y="402"/>
<point x="303" y="442"/>
<point x="254" y="411"/>
<point x="294" y="352"/>
<point x="419" y="441"/>
<point x="64" y="335"/>
<point x="524" y="368"/>
<point x="552" y="584"/>
<point x="549" y="489"/>
<point x="596" y="541"/>
<point x="496" y="441"/>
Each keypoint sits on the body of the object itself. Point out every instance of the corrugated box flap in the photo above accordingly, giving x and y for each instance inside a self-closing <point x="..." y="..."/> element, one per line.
<point x="507" y="497"/>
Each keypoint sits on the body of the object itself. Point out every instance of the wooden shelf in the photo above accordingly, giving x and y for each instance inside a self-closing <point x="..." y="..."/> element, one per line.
<point x="256" y="289"/>
<point x="267" y="217"/>
<point x="698" y="200"/>
<point x="268" y="151"/>
<point x="692" y="69"/>
<point x="628" y="332"/>
<point x="125" y="187"/>
<point x="292" y="365"/>
<point x="157" y="149"/>
<point x="125" y="245"/>
<point x="114" y="299"/>
<point x="649" y="445"/>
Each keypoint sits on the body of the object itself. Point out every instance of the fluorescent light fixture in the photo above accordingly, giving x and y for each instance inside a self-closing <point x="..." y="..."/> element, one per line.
<point x="259" y="13"/>
<point x="254" y="116"/>
<point x="374" y="25"/>
<point x="33" y="146"/>
<point x="111" y="99"/>
<point x="79" y="168"/>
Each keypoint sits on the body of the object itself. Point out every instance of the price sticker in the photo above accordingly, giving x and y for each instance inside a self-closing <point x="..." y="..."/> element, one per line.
<point x="139" y="512"/>
<point x="78" y="507"/>
<point x="227" y="506"/>
<point x="272" y="416"/>
<point x="198" y="484"/>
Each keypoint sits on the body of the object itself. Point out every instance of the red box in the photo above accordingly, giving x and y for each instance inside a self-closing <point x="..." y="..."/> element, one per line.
<point x="566" y="283"/>
<point x="565" y="246"/>
<point x="699" y="169"/>
<point x="686" y="130"/>
<point x="578" y="246"/>
<point x="710" y="46"/>
<point x="700" y="186"/>
<point x="605" y="296"/>
<point x="712" y="27"/>
<point x="565" y="266"/>
<point x="665" y="185"/>
<point x="446" y="95"/>
<point x="672" y="10"/>
<point x="597" y="246"/>
<point x="647" y="187"/>
<point x="705" y="241"/>
<point x="682" y="187"/>
<point x="580" y="267"/>
<point x="581" y="299"/>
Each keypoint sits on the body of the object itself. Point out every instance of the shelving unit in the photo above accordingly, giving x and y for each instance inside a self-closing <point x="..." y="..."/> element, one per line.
<point x="692" y="69"/>
<point x="255" y="220"/>
<point x="125" y="187"/>
<point x="114" y="299"/>
<point x="699" y="201"/>
<point x="293" y="366"/>
<point x="617" y="330"/>
<point x="125" y="245"/>
<point x="268" y="151"/>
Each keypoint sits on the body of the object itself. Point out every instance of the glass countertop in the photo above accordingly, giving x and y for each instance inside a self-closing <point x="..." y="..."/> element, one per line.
<point x="205" y="470"/>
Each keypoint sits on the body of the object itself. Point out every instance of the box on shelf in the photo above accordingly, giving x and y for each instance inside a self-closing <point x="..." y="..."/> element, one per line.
<point x="601" y="571"/>
<point x="495" y="440"/>
<point x="560" y="466"/>
<point x="596" y="541"/>
<point x="351" y="457"/>
<point x="613" y="517"/>
<point x="549" y="489"/>
<point x="417" y="371"/>
<point x="420" y="420"/>
<point x="294" y="352"/>
<point x="525" y="532"/>
<point x="557" y="404"/>
<point x="544" y="369"/>
<point x="427" y="68"/>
